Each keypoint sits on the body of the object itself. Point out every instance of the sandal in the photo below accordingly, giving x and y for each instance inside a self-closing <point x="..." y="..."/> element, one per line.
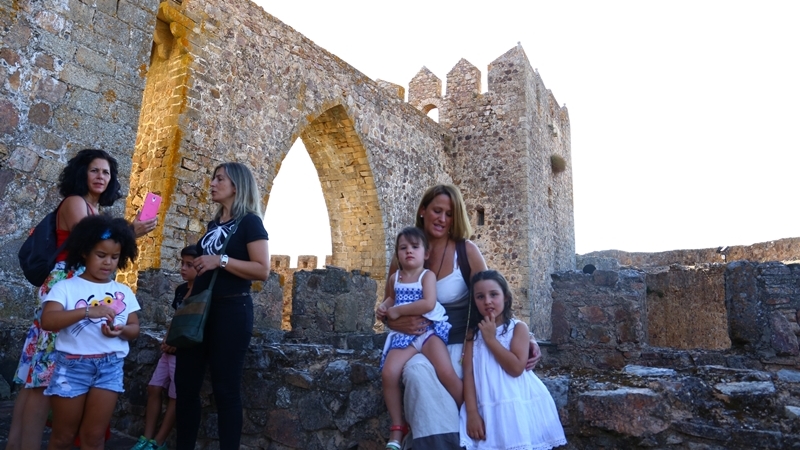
<point x="397" y="445"/>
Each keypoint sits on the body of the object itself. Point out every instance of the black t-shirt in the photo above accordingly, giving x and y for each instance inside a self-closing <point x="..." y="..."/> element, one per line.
<point x="250" y="229"/>
<point x="180" y="294"/>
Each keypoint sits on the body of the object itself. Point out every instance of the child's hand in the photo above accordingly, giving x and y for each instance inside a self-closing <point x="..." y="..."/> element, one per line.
<point x="380" y="313"/>
<point x="488" y="328"/>
<point x="110" y="330"/>
<point x="102" y="312"/>
<point x="392" y="313"/>
<point x="168" y="348"/>
<point x="475" y="427"/>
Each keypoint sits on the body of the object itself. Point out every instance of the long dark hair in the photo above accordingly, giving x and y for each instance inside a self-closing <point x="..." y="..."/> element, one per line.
<point x="413" y="235"/>
<point x="72" y="180"/>
<point x="93" y="229"/>
<point x="501" y="281"/>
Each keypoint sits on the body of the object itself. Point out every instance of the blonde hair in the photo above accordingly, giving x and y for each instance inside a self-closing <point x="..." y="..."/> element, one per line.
<point x="247" y="198"/>
<point x="461" y="228"/>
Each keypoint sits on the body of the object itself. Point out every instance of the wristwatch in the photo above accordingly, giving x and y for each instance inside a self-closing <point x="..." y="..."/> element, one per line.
<point x="223" y="261"/>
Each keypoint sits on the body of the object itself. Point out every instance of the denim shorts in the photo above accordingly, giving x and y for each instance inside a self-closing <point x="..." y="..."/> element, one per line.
<point x="74" y="375"/>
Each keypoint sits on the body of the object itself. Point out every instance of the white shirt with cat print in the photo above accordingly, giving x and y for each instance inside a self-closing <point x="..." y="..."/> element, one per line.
<point x="86" y="337"/>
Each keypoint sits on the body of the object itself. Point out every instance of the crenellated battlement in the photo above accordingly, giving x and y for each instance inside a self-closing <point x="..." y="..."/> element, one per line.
<point x="512" y="160"/>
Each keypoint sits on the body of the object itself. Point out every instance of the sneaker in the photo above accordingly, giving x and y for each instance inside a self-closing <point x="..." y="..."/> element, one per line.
<point x="154" y="446"/>
<point x="142" y="444"/>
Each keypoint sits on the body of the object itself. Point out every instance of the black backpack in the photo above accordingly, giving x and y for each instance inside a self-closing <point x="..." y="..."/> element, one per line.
<point x="37" y="256"/>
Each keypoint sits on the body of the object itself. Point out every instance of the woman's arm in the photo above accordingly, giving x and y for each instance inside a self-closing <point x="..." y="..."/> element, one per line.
<point x="55" y="317"/>
<point x="128" y="332"/>
<point x="421" y="306"/>
<point x="255" y="269"/>
<point x="476" y="429"/>
<point x="475" y="258"/>
<point x="513" y="360"/>
<point x="72" y="210"/>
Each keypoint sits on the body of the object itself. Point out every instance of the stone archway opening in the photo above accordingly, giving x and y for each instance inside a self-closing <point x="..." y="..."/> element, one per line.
<point x="432" y="111"/>
<point x="296" y="215"/>
<point x="349" y="190"/>
<point x="355" y="221"/>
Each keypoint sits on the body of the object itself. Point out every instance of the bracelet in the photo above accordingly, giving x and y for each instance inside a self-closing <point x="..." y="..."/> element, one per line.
<point x="86" y="316"/>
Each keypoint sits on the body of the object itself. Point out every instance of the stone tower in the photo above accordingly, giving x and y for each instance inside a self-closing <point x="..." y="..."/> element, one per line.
<point x="511" y="159"/>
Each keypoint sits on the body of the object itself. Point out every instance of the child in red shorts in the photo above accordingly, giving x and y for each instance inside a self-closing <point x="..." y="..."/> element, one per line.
<point x="164" y="375"/>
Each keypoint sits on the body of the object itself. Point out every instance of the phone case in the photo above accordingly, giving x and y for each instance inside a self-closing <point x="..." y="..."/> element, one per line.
<point x="150" y="207"/>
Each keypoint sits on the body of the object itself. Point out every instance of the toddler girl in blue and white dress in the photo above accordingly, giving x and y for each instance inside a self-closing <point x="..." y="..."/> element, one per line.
<point x="414" y="290"/>
<point x="505" y="406"/>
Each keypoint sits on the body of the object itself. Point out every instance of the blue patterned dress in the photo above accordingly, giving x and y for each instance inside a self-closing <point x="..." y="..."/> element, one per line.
<point x="408" y="293"/>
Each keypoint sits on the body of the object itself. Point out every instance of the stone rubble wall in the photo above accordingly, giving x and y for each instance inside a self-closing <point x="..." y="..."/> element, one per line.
<point x="786" y="250"/>
<point x="318" y="387"/>
<point x="620" y="386"/>
<point x="602" y="320"/>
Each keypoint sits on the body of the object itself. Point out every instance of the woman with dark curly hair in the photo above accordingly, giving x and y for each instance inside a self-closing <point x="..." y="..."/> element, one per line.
<point x="88" y="182"/>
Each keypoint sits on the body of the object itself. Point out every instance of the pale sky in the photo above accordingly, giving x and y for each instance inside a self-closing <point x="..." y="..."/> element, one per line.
<point x="684" y="114"/>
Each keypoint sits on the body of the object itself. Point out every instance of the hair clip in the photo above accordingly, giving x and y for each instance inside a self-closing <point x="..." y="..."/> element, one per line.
<point x="106" y="234"/>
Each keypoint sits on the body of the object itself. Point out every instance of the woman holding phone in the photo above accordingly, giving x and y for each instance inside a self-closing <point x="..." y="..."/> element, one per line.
<point x="230" y="319"/>
<point x="88" y="182"/>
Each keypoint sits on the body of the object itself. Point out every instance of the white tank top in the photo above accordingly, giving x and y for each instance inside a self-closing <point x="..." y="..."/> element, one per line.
<point x="453" y="286"/>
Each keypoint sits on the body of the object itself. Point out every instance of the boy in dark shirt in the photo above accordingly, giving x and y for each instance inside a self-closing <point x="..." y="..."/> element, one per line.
<point x="164" y="375"/>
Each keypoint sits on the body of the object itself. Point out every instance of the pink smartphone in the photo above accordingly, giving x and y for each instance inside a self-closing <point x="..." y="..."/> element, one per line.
<point x="150" y="207"/>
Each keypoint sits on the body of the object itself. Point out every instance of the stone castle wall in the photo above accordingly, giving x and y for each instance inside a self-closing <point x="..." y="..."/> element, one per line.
<point x="519" y="205"/>
<point x="217" y="81"/>
<point x="606" y="319"/>
<point x="72" y="75"/>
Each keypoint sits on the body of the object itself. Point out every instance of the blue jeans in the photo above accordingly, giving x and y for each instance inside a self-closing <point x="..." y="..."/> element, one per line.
<point x="225" y="342"/>
<point x="74" y="375"/>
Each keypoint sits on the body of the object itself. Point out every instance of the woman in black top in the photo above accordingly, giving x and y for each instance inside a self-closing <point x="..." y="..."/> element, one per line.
<point x="230" y="321"/>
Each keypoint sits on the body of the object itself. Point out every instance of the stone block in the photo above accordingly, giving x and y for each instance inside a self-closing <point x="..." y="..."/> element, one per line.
<point x="268" y="303"/>
<point x="630" y="411"/>
<point x="95" y="62"/>
<point x="109" y="7"/>
<point x="332" y="301"/>
<point x="49" y="170"/>
<point x="110" y="27"/>
<point x="79" y="76"/>
<point x="56" y="46"/>
<point x="783" y="338"/>
<point x="9" y="117"/>
<point x="133" y="14"/>
<point x="88" y="102"/>
<point x="746" y="320"/>
<point x="50" y="90"/>
<point x="23" y="159"/>
<point x="79" y="12"/>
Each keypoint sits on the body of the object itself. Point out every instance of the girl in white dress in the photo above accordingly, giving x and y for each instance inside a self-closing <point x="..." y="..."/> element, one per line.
<point x="505" y="406"/>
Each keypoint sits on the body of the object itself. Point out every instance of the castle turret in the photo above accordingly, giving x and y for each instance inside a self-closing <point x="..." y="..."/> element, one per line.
<point x="513" y="164"/>
<point x="425" y="91"/>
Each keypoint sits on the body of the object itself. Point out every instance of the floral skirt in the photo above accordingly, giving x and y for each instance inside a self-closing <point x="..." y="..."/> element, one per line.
<point x="38" y="353"/>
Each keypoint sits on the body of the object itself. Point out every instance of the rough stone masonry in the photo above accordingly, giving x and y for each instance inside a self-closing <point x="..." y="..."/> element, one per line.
<point x="681" y="357"/>
<point x="173" y="88"/>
